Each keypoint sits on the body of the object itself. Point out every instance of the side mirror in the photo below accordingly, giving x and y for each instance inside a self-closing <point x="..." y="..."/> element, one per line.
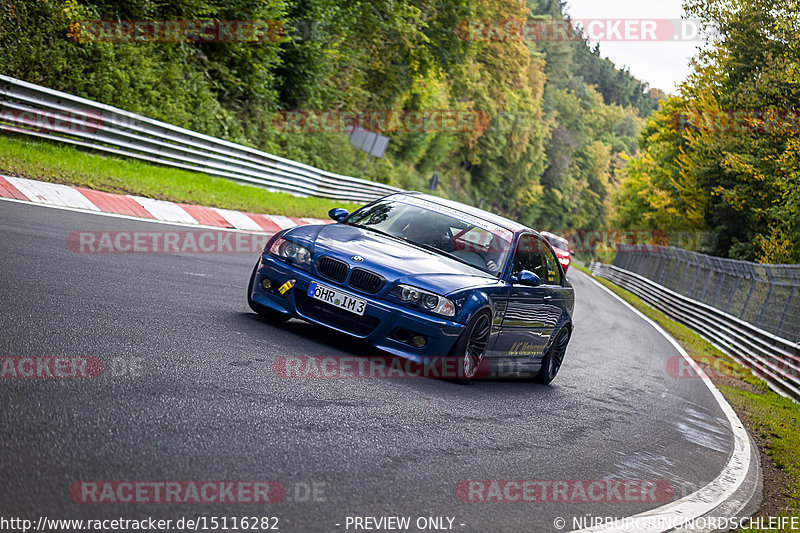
<point x="338" y="214"/>
<point x="526" y="277"/>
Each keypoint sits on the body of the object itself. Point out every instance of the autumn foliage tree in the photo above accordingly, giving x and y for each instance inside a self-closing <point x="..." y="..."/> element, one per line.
<point x="724" y="155"/>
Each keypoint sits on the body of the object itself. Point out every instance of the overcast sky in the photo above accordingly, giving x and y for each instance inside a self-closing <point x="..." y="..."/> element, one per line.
<point x="662" y="64"/>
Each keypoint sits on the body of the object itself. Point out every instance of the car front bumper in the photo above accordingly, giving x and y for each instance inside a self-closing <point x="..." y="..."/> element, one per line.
<point x="378" y="326"/>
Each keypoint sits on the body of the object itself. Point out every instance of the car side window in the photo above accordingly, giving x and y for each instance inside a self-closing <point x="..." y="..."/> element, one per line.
<point x="528" y="256"/>
<point x="534" y="255"/>
<point x="553" y="269"/>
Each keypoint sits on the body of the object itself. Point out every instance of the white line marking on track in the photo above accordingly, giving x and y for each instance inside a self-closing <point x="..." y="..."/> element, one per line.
<point x="708" y="498"/>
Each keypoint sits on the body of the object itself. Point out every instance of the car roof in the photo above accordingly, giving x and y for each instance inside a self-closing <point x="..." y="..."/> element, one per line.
<point x="548" y="234"/>
<point x="470" y="210"/>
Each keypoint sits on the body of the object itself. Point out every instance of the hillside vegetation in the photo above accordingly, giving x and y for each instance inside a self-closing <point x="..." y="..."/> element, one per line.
<point x="557" y="120"/>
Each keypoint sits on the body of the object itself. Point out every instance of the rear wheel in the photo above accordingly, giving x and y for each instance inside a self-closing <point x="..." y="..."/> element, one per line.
<point x="470" y="348"/>
<point x="555" y="356"/>
<point x="266" y="312"/>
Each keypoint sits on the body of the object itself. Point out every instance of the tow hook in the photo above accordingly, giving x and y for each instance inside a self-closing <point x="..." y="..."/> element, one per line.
<point x="286" y="287"/>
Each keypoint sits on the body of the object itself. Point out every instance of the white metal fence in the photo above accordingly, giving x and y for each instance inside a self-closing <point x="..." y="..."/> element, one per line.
<point x="766" y="296"/>
<point x="30" y="109"/>
<point x="772" y="358"/>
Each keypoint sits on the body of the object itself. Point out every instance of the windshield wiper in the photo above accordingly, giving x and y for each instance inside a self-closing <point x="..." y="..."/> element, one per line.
<point x="370" y="228"/>
<point x="446" y="254"/>
<point x="434" y="249"/>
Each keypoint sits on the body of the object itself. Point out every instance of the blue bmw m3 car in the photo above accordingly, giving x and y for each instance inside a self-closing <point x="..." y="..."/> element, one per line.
<point x="425" y="278"/>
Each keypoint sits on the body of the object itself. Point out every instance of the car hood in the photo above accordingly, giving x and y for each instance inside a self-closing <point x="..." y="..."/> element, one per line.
<point x="395" y="260"/>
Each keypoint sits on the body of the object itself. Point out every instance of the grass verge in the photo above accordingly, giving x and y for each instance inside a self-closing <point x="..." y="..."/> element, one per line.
<point x="58" y="163"/>
<point x="773" y="421"/>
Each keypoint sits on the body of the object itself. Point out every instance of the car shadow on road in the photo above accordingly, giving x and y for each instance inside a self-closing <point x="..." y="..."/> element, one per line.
<point x="347" y="358"/>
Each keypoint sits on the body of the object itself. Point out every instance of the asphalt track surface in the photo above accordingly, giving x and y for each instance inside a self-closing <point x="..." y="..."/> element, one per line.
<point x="198" y="400"/>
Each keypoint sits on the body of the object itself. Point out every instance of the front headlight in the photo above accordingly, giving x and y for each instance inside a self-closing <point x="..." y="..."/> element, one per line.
<point x="424" y="299"/>
<point x="290" y="252"/>
<point x="563" y="260"/>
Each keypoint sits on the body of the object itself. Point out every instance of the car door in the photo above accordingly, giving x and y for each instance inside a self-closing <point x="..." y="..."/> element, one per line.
<point x="531" y="314"/>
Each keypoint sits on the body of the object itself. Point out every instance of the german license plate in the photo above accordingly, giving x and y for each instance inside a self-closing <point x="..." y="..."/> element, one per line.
<point x="337" y="298"/>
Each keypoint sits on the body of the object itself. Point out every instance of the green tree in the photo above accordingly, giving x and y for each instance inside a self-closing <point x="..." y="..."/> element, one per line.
<point x="723" y="156"/>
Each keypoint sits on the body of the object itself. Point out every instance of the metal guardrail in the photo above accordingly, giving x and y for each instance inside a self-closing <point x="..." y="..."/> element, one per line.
<point x="772" y="358"/>
<point x="30" y="109"/>
<point x="766" y="296"/>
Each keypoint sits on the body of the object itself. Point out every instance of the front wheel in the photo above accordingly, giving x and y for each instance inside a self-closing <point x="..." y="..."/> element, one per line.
<point x="555" y="356"/>
<point x="470" y="348"/>
<point x="266" y="312"/>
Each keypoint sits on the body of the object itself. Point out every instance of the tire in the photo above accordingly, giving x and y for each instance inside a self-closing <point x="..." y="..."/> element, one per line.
<point x="551" y="363"/>
<point x="470" y="348"/>
<point x="266" y="312"/>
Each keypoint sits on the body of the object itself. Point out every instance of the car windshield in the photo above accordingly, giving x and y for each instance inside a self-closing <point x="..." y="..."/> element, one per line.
<point x="445" y="230"/>
<point x="558" y="243"/>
